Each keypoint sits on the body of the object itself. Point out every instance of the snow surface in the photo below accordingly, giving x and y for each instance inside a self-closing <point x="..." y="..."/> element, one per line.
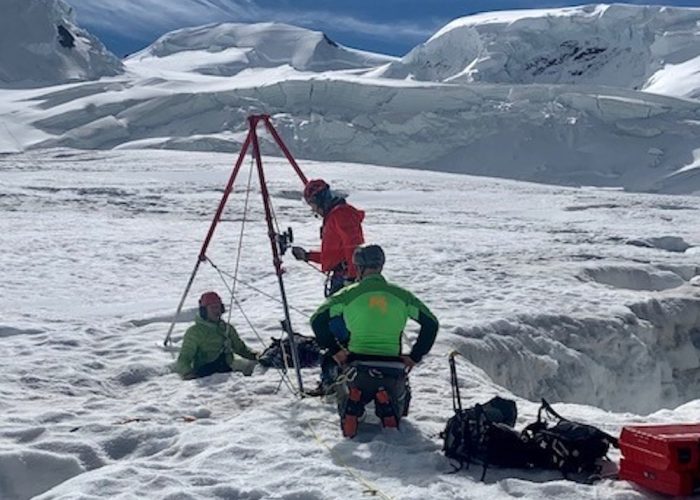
<point x="542" y="289"/>
<point x="31" y="54"/>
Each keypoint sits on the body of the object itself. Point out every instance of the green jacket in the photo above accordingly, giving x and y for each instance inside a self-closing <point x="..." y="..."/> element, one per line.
<point x="205" y="341"/>
<point x="375" y="313"/>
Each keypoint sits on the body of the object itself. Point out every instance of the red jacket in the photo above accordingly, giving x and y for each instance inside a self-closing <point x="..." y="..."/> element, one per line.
<point x="340" y="235"/>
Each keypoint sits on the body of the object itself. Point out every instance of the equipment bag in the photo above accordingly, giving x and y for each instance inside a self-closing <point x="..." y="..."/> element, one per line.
<point x="484" y="433"/>
<point x="307" y="350"/>
<point x="569" y="446"/>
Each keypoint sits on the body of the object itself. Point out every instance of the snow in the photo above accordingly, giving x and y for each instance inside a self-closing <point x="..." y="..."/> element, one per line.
<point x="32" y="54"/>
<point x="558" y="134"/>
<point x="193" y="89"/>
<point x="677" y="79"/>
<point x="653" y="48"/>
<point x="536" y="286"/>
<point x="669" y="243"/>
<point x="564" y="271"/>
<point x="227" y="48"/>
<point x="20" y="471"/>
<point x="694" y="165"/>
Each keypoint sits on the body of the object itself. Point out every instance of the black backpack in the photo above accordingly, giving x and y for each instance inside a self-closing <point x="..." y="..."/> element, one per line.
<point x="484" y="433"/>
<point x="307" y="350"/>
<point x="569" y="446"/>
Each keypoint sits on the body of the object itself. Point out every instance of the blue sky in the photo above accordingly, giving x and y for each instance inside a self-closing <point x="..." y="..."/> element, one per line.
<point x="385" y="26"/>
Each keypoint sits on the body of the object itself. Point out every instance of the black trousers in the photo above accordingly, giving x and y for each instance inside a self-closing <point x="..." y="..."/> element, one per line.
<point x="219" y="365"/>
<point x="329" y="368"/>
<point x="370" y="378"/>
<point x="335" y="282"/>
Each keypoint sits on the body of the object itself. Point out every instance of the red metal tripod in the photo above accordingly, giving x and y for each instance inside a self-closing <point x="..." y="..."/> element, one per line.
<point x="252" y="139"/>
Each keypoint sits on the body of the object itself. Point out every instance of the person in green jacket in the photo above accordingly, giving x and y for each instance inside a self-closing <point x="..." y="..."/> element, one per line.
<point x="375" y="313"/>
<point x="211" y="345"/>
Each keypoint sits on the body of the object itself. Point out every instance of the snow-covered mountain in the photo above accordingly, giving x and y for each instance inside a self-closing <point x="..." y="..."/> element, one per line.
<point x="41" y="44"/>
<point x="193" y="89"/>
<point x="225" y="49"/>
<point x="589" y="297"/>
<point x="624" y="46"/>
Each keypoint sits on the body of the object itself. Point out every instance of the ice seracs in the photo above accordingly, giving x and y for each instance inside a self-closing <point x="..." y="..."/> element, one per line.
<point x="553" y="96"/>
<point x="41" y="44"/>
<point x="624" y="46"/>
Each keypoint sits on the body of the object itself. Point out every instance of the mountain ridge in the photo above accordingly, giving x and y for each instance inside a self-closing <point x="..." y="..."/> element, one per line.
<point x="194" y="88"/>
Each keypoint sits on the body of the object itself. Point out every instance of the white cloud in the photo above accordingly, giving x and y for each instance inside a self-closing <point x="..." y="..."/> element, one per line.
<point x="351" y="24"/>
<point x="145" y="16"/>
<point x="137" y="18"/>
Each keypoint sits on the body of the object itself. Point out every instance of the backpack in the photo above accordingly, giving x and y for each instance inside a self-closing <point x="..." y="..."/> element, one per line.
<point x="484" y="433"/>
<point x="571" y="447"/>
<point x="308" y="353"/>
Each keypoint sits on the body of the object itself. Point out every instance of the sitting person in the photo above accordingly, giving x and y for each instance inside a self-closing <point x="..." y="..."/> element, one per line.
<point x="211" y="345"/>
<point x="375" y="313"/>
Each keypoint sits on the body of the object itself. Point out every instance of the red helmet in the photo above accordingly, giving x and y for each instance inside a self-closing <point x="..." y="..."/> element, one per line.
<point x="209" y="298"/>
<point x="313" y="188"/>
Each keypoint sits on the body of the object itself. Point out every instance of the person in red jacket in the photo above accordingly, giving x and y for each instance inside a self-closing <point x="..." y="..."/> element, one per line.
<point x="341" y="233"/>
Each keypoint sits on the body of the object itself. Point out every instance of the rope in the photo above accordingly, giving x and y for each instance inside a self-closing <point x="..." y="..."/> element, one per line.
<point x="274" y="217"/>
<point x="282" y="373"/>
<point x="289" y="334"/>
<point x="240" y="237"/>
<point x="265" y="294"/>
<point x="370" y="488"/>
<point x="314" y="267"/>
<point x="232" y="289"/>
<point x="347" y="376"/>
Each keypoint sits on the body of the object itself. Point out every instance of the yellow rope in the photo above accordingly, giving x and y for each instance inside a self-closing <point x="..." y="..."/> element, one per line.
<point x="371" y="489"/>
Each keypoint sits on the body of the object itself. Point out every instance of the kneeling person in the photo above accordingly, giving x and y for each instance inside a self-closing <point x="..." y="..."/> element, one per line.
<point x="211" y="345"/>
<point x="375" y="313"/>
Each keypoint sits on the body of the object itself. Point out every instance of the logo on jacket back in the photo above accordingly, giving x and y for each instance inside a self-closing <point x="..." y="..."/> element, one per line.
<point x="378" y="302"/>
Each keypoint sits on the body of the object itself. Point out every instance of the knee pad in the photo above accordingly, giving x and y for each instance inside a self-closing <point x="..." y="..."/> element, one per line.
<point x="352" y="411"/>
<point x="384" y="409"/>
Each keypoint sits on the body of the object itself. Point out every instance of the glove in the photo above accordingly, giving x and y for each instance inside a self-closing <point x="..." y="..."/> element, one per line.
<point x="341" y="357"/>
<point x="300" y="254"/>
<point x="408" y="362"/>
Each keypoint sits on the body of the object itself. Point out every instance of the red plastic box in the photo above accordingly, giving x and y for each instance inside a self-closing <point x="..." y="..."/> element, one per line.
<point x="664" y="481"/>
<point x="673" y="447"/>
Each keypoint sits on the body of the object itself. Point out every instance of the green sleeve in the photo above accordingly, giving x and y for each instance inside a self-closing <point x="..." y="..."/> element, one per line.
<point x="416" y="307"/>
<point x="239" y="346"/>
<point x="188" y="352"/>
